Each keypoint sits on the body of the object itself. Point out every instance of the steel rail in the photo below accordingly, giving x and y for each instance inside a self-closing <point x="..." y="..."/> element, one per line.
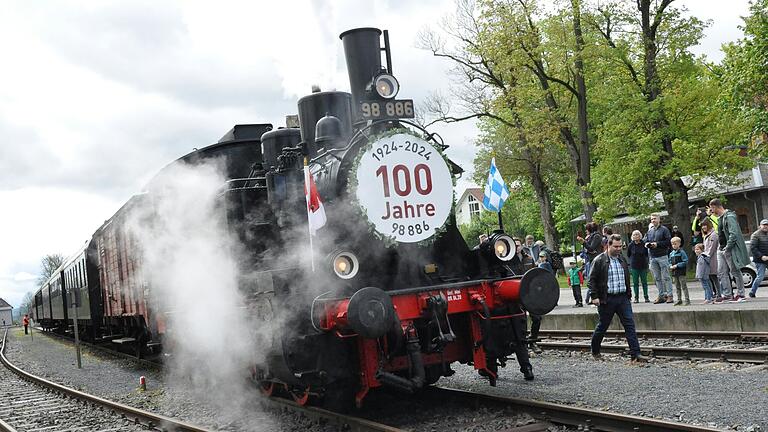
<point x="590" y="419"/>
<point x="666" y="334"/>
<point x="343" y="421"/>
<point x="5" y="427"/>
<point x="155" y="420"/>
<point x="731" y="355"/>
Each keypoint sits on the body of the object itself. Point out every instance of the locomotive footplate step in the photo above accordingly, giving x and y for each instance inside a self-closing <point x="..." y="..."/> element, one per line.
<point x="124" y="340"/>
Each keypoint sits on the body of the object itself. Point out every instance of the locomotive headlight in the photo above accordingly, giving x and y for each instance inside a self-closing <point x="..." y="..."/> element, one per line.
<point x="386" y="86"/>
<point x="345" y="265"/>
<point x="503" y="247"/>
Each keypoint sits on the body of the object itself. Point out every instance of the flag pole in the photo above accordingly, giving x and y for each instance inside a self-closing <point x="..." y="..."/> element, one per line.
<point x="501" y="224"/>
<point x="307" y="191"/>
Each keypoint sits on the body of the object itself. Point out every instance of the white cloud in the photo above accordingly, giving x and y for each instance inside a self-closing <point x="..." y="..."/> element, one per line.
<point x="23" y="277"/>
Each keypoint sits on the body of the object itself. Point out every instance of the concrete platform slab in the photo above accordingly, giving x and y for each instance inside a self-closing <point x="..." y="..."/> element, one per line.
<point x="751" y="315"/>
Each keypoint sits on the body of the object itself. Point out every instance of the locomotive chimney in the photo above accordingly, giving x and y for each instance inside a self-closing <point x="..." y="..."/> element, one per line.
<point x="362" y="51"/>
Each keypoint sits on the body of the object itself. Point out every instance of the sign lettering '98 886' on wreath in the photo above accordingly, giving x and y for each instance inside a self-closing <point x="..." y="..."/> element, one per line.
<point x="405" y="187"/>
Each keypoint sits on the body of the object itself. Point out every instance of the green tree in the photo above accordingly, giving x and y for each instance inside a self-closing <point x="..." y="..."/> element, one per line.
<point x="491" y="90"/>
<point x="661" y="131"/>
<point x="48" y="265"/>
<point x="550" y="51"/>
<point x="744" y="77"/>
<point x="520" y="216"/>
<point x="531" y="165"/>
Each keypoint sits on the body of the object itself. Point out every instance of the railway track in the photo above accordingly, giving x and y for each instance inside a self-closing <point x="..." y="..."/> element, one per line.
<point x="341" y="421"/>
<point x="723" y="354"/>
<point x="665" y="334"/>
<point x="32" y="403"/>
<point x="580" y="418"/>
<point x="544" y="413"/>
<point x="63" y="400"/>
<point x="755" y="354"/>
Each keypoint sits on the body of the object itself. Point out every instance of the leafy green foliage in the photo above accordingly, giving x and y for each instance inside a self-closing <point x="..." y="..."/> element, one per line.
<point x="744" y="75"/>
<point x="654" y="131"/>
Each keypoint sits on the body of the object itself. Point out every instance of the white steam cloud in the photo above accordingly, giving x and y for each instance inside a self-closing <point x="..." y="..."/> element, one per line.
<point x="190" y="261"/>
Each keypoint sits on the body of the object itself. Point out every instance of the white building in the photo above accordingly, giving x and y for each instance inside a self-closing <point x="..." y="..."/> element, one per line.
<point x="469" y="205"/>
<point x="6" y="313"/>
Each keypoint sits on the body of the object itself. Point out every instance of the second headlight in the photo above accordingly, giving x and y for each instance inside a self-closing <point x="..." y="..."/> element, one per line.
<point x="345" y="264"/>
<point x="386" y="86"/>
<point x="503" y="247"/>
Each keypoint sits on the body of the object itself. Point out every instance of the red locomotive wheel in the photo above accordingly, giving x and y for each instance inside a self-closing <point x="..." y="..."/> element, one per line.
<point x="267" y="387"/>
<point x="301" y="397"/>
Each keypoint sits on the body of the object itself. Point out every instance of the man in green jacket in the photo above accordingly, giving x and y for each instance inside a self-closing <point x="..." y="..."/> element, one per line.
<point x="732" y="245"/>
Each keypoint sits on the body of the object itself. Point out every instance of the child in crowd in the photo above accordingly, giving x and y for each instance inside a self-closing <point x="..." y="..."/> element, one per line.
<point x="575" y="279"/>
<point x="678" y="260"/>
<point x="702" y="271"/>
<point x="544" y="262"/>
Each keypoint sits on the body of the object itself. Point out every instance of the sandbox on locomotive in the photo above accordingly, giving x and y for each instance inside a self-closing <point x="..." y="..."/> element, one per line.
<point x="390" y="294"/>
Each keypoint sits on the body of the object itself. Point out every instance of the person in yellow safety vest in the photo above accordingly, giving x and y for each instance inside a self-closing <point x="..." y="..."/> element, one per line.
<point x="25" y="321"/>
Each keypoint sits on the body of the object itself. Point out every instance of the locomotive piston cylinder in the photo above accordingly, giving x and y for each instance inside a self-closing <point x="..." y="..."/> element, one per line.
<point x="369" y="313"/>
<point x="537" y="291"/>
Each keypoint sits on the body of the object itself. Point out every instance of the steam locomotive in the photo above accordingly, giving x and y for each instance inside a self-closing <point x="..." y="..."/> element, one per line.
<point x="390" y="295"/>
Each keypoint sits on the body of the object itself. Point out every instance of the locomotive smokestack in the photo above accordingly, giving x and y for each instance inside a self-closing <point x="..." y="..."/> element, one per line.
<point x="362" y="51"/>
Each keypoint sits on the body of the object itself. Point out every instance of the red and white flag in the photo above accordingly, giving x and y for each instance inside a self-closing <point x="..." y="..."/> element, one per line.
<point x="315" y="209"/>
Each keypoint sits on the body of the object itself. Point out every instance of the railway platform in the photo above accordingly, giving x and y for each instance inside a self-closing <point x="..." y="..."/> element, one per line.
<point x="748" y="316"/>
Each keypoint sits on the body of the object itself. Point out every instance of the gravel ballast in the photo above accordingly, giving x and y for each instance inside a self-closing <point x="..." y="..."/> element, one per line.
<point x="721" y="395"/>
<point x="118" y="380"/>
<point x="729" y="396"/>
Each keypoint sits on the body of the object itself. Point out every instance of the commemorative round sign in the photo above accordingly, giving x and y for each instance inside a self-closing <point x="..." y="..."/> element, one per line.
<point x="405" y="188"/>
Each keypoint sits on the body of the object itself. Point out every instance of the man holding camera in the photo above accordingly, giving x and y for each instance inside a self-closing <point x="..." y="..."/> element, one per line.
<point x="657" y="240"/>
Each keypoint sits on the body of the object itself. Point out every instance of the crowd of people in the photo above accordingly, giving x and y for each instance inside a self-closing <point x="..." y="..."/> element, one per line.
<point x="612" y="278"/>
<point x="717" y="242"/>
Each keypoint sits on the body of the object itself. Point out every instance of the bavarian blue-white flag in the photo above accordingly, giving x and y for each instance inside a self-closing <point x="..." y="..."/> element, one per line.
<point x="496" y="191"/>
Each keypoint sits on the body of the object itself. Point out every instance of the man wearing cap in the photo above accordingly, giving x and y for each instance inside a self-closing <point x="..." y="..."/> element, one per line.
<point x="544" y="262"/>
<point x="758" y="244"/>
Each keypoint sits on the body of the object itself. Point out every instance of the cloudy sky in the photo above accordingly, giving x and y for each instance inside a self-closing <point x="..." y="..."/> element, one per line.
<point x="96" y="96"/>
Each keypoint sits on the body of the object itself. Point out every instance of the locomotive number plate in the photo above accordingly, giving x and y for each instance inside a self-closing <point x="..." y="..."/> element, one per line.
<point x="391" y="109"/>
<point x="405" y="188"/>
